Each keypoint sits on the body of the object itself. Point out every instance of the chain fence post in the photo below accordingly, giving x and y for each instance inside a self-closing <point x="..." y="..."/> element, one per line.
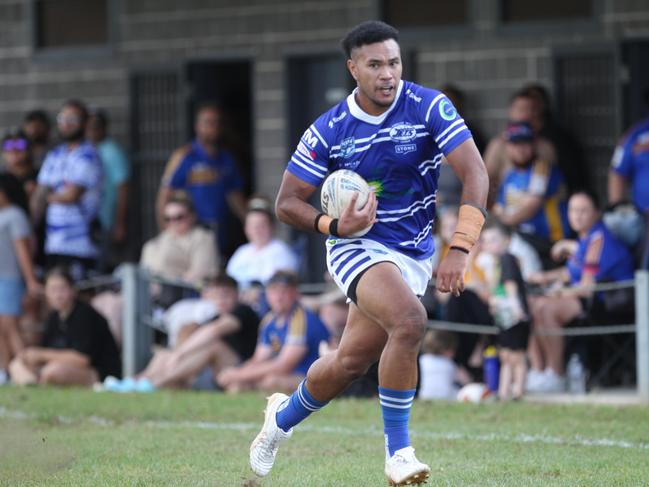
<point x="642" y="333"/>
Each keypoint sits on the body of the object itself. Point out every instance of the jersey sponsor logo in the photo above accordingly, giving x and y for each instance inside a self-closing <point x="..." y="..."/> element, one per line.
<point x="405" y="148"/>
<point x="446" y="110"/>
<point x="347" y="147"/>
<point x="337" y="119"/>
<point x="302" y="149"/>
<point x="350" y="164"/>
<point x="309" y="138"/>
<point x="413" y="96"/>
<point x="403" y="132"/>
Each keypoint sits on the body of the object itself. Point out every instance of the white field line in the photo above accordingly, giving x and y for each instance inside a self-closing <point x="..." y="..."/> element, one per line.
<point x="338" y="430"/>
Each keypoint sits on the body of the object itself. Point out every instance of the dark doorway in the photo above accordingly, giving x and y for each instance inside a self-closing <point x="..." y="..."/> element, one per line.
<point x="315" y="84"/>
<point x="636" y="89"/>
<point x="229" y="84"/>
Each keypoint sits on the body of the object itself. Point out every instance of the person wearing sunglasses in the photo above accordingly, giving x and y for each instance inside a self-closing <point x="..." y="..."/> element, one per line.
<point x="69" y="187"/>
<point x="17" y="160"/>
<point x="183" y="250"/>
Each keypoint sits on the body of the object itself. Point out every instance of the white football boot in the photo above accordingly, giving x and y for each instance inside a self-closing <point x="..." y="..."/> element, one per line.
<point x="403" y="468"/>
<point x="264" y="447"/>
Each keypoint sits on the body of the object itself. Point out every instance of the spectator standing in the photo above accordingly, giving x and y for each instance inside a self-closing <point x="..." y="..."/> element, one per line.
<point x="630" y="167"/>
<point x="509" y="307"/>
<point x="288" y="344"/>
<point x="69" y="184"/>
<point x="78" y="348"/>
<point x="17" y="160"/>
<point x="117" y="169"/>
<point x="264" y="254"/>
<point x="208" y="174"/>
<point x="522" y="108"/>
<point x="15" y="268"/>
<point x="531" y="195"/>
<point x="37" y="127"/>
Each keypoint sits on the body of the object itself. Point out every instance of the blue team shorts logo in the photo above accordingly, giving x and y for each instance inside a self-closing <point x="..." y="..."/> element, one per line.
<point x="403" y="132"/>
<point x="446" y="110"/>
<point x="347" y="147"/>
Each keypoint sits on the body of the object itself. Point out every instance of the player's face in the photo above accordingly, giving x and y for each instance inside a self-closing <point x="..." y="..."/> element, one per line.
<point x="377" y="71"/>
<point x="582" y="215"/>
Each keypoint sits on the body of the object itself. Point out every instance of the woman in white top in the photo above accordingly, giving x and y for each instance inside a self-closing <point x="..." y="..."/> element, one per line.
<point x="264" y="254"/>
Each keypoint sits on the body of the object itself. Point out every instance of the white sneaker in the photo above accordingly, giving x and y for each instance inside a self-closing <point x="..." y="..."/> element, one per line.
<point x="553" y="382"/>
<point x="264" y="448"/>
<point x="403" y="468"/>
<point x="534" y="380"/>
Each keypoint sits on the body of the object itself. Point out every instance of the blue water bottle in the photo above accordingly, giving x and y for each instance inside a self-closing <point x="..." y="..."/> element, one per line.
<point x="491" y="368"/>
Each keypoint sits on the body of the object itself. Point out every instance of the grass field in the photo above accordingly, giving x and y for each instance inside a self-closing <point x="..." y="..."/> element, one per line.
<point x="58" y="437"/>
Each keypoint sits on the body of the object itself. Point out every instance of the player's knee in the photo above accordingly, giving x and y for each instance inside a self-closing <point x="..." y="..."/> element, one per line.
<point x="353" y="367"/>
<point x="411" y="326"/>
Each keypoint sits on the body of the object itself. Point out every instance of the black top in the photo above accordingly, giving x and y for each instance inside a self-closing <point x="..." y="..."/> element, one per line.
<point x="244" y="340"/>
<point x="510" y="271"/>
<point x="87" y="332"/>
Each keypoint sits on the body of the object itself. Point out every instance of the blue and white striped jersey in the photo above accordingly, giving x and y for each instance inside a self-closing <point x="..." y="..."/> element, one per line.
<point x="398" y="152"/>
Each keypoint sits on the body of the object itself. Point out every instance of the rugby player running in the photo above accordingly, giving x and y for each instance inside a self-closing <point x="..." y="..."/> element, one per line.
<point x="395" y="134"/>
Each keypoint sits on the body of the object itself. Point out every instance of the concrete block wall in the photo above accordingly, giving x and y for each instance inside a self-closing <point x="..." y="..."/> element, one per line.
<point x="488" y="60"/>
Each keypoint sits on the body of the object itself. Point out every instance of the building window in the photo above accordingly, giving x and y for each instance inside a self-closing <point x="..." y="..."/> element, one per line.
<point x="425" y="13"/>
<point x="525" y="11"/>
<point x="71" y="23"/>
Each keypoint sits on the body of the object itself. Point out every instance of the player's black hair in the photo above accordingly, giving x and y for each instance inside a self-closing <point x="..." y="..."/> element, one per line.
<point x="591" y="195"/>
<point x="38" y="115"/>
<point x="368" y="32"/>
<point x="79" y="106"/>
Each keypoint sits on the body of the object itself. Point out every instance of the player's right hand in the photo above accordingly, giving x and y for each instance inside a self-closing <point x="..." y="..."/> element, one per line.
<point x="352" y="220"/>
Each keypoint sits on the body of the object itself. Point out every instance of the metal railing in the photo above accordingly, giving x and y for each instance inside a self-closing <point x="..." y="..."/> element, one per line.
<point x="138" y="334"/>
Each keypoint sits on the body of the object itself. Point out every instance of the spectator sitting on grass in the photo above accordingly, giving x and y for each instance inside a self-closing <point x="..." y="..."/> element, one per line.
<point x="77" y="349"/>
<point x="439" y="374"/>
<point x="223" y="340"/>
<point x="288" y="343"/>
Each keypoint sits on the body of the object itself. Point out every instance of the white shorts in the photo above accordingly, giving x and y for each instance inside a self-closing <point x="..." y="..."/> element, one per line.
<point x="347" y="258"/>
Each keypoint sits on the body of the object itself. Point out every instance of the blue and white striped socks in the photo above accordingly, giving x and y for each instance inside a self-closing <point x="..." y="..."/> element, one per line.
<point x="297" y="407"/>
<point x="395" y="406"/>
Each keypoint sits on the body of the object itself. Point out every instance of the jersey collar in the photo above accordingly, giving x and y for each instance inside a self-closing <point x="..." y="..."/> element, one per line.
<point x="358" y="112"/>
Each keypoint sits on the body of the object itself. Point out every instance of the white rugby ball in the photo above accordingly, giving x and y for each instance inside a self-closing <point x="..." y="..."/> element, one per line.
<point x="337" y="191"/>
<point x="474" y="392"/>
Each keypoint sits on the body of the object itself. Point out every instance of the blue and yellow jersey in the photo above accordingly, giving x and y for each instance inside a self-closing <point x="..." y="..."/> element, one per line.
<point x="602" y="255"/>
<point x="399" y="154"/>
<point x="538" y="179"/>
<point x="207" y="180"/>
<point x="300" y="327"/>
<point x="631" y="160"/>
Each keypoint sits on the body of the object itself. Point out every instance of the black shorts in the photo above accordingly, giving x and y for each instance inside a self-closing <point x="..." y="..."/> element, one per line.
<point x="516" y="337"/>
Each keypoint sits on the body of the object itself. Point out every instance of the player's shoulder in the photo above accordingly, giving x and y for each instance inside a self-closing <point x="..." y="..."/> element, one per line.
<point x="329" y="121"/>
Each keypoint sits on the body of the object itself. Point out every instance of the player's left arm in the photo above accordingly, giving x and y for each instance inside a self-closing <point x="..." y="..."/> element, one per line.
<point x="470" y="169"/>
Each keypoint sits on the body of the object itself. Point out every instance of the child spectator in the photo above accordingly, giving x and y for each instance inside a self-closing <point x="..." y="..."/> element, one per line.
<point x="509" y="307"/>
<point x="15" y="267"/>
<point x="439" y="374"/>
<point x="78" y="348"/>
